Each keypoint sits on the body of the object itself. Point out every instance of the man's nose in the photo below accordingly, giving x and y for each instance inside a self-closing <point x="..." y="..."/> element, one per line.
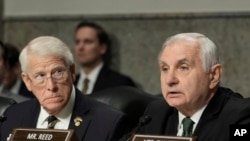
<point x="51" y="84"/>
<point x="81" y="45"/>
<point x="171" y="78"/>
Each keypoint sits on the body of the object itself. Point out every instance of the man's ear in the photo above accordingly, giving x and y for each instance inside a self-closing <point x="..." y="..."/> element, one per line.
<point x="17" y="69"/>
<point x="215" y="75"/>
<point x="26" y="80"/>
<point x="72" y="70"/>
<point x="103" y="49"/>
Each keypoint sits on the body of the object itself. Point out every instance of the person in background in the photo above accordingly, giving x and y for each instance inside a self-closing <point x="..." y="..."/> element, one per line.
<point x="92" y="51"/>
<point x="48" y="71"/>
<point x="1" y="65"/>
<point x="194" y="103"/>
<point x="12" y="85"/>
<point x="4" y="102"/>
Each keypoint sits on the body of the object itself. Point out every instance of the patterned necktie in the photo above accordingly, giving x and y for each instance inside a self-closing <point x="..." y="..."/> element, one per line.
<point x="52" y="120"/>
<point x="187" y="127"/>
<point x="85" y="86"/>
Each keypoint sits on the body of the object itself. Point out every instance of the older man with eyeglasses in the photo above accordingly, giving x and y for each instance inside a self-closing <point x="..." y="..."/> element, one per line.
<point x="48" y="71"/>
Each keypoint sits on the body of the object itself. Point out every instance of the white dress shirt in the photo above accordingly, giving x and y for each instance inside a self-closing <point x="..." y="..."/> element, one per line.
<point x="63" y="117"/>
<point x="92" y="76"/>
<point x="195" y="118"/>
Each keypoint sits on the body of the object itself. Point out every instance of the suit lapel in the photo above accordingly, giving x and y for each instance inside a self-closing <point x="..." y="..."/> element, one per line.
<point x="212" y="110"/>
<point x="172" y="123"/>
<point x="80" y="120"/>
<point x="100" y="79"/>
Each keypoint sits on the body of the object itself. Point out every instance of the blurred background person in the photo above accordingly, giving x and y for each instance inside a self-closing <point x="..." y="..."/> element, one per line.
<point x="12" y="85"/>
<point x="4" y="102"/>
<point x="92" y="51"/>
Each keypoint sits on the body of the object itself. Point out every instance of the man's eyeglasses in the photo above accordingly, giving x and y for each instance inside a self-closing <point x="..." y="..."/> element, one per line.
<point x="59" y="74"/>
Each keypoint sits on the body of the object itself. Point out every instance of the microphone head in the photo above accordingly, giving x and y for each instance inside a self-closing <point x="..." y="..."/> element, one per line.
<point x="144" y="120"/>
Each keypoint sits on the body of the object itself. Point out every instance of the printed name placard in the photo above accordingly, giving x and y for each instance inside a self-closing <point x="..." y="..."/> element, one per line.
<point x="140" y="137"/>
<point x="31" y="134"/>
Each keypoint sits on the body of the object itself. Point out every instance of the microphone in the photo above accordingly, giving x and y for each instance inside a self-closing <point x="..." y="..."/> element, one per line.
<point x="142" y="121"/>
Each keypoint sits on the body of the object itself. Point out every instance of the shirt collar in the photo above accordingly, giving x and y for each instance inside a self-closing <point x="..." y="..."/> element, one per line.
<point x="92" y="76"/>
<point x="195" y="117"/>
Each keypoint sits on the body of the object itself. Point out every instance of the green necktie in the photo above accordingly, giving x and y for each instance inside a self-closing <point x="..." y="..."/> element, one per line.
<point x="187" y="127"/>
<point x="52" y="120"/>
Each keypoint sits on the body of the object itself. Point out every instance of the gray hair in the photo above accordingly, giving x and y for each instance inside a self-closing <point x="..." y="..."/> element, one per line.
<point x="45" y="46"/>
<point x="208" y="50"/>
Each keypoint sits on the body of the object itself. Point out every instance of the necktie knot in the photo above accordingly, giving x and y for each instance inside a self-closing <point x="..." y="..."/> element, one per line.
<point x="187" y="127"/>
<point x="52" y="120"/>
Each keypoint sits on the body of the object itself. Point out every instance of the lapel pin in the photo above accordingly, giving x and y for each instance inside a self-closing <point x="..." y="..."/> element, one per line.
<point x="77" y="121"/>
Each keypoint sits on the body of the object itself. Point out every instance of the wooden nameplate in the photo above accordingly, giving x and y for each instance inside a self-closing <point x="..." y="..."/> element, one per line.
<point x="32" y="134"/>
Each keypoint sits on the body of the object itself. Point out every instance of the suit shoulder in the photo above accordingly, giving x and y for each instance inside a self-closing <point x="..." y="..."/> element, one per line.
<point x="114" y="73"/>
<point x="237" y="110"/>
<point x="238" y="104"/>
<point x="229" y="101"/>
<point x="117" y="76"/>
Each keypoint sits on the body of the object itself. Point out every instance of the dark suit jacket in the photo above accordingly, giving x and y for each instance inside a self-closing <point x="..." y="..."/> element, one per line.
<point x="108" y="78"/>
<point x="223" y="109"/>
<point x="100" y="122"/>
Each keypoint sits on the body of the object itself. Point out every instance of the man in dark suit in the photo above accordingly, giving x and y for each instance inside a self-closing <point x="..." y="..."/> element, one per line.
<point x="194" y="104"/>
<point x="92" y="50"/>
<point x="48" y="71"/>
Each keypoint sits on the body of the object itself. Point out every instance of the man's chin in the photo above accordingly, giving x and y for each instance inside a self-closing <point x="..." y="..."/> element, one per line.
<point x="53" y="109"/>
<point x="88" y="63"/>
<point x="175" y="103"/>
